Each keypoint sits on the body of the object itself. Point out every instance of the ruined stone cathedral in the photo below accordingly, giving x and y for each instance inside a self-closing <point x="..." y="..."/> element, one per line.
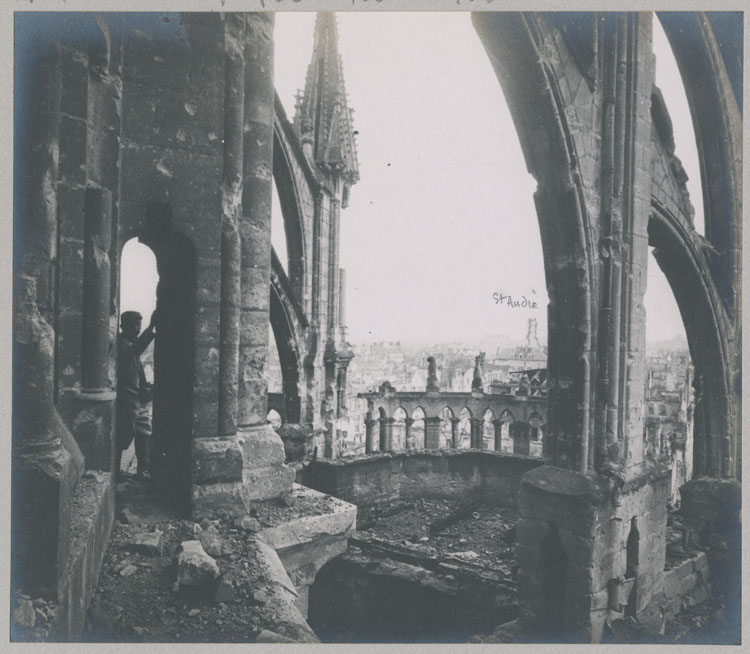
<point x="166" y="128"/>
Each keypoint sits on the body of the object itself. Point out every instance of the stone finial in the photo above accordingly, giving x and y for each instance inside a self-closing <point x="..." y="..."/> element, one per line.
<point x="477" y="384"/>
<point x="432" y="382"/>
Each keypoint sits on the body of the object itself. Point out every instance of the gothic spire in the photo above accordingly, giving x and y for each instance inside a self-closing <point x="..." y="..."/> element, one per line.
<point x="323" y="119"/>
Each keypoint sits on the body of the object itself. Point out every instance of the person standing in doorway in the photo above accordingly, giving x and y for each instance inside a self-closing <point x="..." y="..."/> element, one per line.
<point x="133" y="391"/>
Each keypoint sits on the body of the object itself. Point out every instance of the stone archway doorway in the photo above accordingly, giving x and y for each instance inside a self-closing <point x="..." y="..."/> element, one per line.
<point x="173" y="354"/>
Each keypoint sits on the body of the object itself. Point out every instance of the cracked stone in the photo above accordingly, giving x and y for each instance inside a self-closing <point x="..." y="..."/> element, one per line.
<point x="212" y="542"/>
<point x="224" y="591"/>
<point x="247" y="523"/>
<point x="149" y="544"/>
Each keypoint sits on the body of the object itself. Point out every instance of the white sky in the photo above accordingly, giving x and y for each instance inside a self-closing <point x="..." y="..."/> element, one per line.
<point x="443" y="214"/>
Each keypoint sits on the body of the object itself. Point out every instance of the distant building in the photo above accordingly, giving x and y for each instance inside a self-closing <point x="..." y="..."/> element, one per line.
<point x="668" y="427"/>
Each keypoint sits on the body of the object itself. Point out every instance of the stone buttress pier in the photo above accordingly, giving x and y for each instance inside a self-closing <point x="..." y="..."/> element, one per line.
<point x="591" y="535"/>
<point x="245" y="461"/>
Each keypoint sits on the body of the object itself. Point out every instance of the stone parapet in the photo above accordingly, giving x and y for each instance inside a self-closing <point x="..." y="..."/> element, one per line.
<point x="450" y="473"/>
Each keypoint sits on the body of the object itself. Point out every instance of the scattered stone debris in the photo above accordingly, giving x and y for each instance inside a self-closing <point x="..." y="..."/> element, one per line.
<point x="489" y="539"/>
<point x="151" y="605"/>
<point x="24" y="614"/>
<point x="212" y="542"/>
<point x="128" y="517"/>
<point x="224" y="591"/>
<point x="468" y="555"/>
<point x="268" y="636"/>
<point x="128" y="570"/>
<point x="32" y="619"/>
<point x="247" y="523"/>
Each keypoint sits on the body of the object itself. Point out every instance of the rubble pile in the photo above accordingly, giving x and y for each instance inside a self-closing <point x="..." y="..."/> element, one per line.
<point x="171" y="580"/>
<point x="482" y="534"/>
<point x="32" y="617"/>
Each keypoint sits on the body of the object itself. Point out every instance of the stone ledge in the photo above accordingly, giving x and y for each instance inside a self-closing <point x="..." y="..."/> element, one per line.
<point x="341" y="521"/>
<point x="281" y="597"/>
<point x="426" y="453"/>
<point x="565" y="482"/>
<point x="91" y="521"/>
<point x="306" y="543"/>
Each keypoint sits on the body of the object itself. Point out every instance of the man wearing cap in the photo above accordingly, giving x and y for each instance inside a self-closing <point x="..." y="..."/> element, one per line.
<point x="133" y="391"/>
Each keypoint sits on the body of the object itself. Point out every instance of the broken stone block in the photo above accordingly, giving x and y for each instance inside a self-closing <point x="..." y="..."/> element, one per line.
<point x="41" y="616"/>
<point x="468" y="555"/>
<point x="194" y="566"/>
<point x="298" y="441"/>
<point x="197" y="529"/>
<point x="247" y="523"/>
<point x="506" y="632"/>
<point x="128" y="570"/>
<point x="211" y="541"/>
<point x="285" y="499"/>
<point x="651" y="620"/>
<point x="224" y="591"/>
<point x="128" y="517"/>
<point x="149" y="544"/>
<point x="268" y="636"/>
<point x="24" y="614"/>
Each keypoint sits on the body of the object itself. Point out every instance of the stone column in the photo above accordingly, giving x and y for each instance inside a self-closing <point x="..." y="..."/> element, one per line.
<point x="498" y="425"/>
<point x="386" y="434"/>
<point x="333" y="261"/>
<point x="369" y="434"/>
<point x="217" y="465"/>
<point x="46" y="463"/>
<point x="407" y="433"/>
<point x="96" y="399"/>
<point x="264" y="474"/>
<point x="477" y="425"/>
<point x="432" y="382"/>
<point x="598" y="436"/>
<point x="432" y="433"/>
<point x="454" y="432"/>
<point x="342" y="302"/>
<point x="96" y="284"/>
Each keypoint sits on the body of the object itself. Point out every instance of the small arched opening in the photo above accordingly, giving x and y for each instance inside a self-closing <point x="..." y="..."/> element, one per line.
<point x="506" y="442"/>
<point x="519" y="434"/>
<point x="134" y="435"/>
<point x="463" y="437"/>
<point x="417" y="428"/>
<point x="398" y="442"/>
<point x="446" y="427"/>
<point x="488" y="430"/>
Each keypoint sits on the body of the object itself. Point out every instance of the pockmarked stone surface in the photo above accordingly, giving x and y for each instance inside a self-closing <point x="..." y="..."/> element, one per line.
<point x="212" y="541"/>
